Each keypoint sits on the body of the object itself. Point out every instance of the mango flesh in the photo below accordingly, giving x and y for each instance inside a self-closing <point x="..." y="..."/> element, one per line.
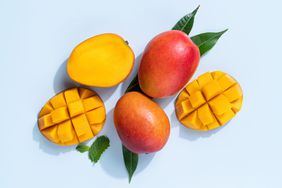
<point x="103" y="61"/>
<point x="168" y="63"/>
<point x="141" y="124"/>
<point x="72" y="116"/>
<point x="209" y="102"/>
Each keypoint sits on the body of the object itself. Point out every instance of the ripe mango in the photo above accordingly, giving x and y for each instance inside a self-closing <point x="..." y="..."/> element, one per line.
<point x="141" y="124"/>
<point x="103" y="61"/>
<point x="72" y="116"/>
<point x="209" y="102"/>
<point x="168" y="63"/>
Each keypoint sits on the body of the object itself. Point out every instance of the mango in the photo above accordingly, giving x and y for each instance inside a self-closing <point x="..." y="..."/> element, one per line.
<point x="141" y="124"/>
<point x="102" y="61"/>
<point x="72" y="116"/>
<point x="168" y="63"/>
<point x="209" y="102"/>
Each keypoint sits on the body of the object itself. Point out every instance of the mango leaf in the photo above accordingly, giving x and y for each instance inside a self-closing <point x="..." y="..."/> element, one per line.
<point x="130" y="161"/>
<point x="82" y="148"/>
<point x="98" y="147"/>
<point x="134" y="85"/>
<point x="205" y="41"/>
<point x="185" y="24"/>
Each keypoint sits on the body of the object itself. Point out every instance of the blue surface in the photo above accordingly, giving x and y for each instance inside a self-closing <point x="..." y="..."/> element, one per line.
<point x="36" y="39"/>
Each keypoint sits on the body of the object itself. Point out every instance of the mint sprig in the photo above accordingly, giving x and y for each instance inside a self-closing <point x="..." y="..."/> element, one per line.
<point x="97" y="148"/>
<point x="82" y="148"/>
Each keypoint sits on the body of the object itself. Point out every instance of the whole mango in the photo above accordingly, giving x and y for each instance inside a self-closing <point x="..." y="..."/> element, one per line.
<point x="168" y="63"/>
<point x="141" y="124"/>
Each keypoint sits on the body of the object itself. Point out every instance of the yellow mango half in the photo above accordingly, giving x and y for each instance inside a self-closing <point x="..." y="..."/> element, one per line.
<point x="102" y="61"/>
<point x="72" y="116"/>
<point x="209" y="101"/>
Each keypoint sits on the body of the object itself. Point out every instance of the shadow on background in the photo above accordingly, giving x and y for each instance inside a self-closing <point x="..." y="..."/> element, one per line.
<point x="112" y="160"/>
<point x="46" y="145"/>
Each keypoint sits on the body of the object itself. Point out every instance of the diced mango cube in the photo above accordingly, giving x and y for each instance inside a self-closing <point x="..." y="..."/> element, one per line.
<point x="66" y="132"/>
<point x="182" y="96"/>
<point x="71" y="95"/>
<point x="45" y="122"/>
<point x="236" y="105"/>
<point x="211" y="89"/>
<point x="226" y="81"/>
<point x="59" y="115"/>
<point x="204" y="79"/>
<point x="233" y="93"/>
<point x="197" y="99"/>
<point x="51" y="134"/>
<point x="213" y="125"/>
<point x="192" y="121"/>
<point x="192" y="87"/>
<point x="205" y="115"/>
<point x="76" y="108"/>
<point x="217" y="74"/>
<point x="96" y="128"/>
<point x="92" y="103"/>
<point x="85" y="93"/>
<point x="220" y="104"/>
<point x="46" y="110"/>
<point x="81" y="125"/>
<point x="58" y="101"/>
<point x="224" y="118"/>
<point x="96" y="116"/>
<point x="184" y="108"/>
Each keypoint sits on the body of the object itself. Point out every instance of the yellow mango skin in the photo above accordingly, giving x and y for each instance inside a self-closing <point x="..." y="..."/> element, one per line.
<point x="209" y="101"/>
<point x="72" y="116"/>
<point x="101" y="61"/>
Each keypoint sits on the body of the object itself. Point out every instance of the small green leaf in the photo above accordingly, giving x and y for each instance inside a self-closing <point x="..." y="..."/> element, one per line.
<point x="206" y="41"/>
<point x="98" y="147"/>
<point x="185" y="24"/>
<point x="82" y="148"/>
<point x="130" y="161"/>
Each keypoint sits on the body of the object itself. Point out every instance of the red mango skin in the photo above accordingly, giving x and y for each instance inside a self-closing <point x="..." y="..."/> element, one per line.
<point x="169" y="61"/>
<point x="141" y="124"/>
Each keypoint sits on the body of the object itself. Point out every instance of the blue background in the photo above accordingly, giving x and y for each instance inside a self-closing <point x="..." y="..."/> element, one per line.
<point x="36" y="38"/>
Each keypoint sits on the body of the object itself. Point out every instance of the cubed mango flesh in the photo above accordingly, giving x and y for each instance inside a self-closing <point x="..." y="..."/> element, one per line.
<point x="72" y="116"/>
<point x="209" y="101"/>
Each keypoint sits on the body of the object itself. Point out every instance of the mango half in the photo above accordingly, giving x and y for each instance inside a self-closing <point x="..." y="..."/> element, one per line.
<point x="101" y="61"/>
<point x="72" y="116"/>
<point x="209" y="102"/>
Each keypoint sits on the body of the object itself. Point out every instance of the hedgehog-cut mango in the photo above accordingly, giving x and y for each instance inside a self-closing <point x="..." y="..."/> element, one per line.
<point x="209" y="101"/>
<point x="104" y="60"/>
<point x="72" y="116"/>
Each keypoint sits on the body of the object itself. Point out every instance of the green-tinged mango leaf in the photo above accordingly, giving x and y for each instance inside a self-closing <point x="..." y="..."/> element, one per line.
<point x="82" y="148"/>
<point x="130" y="161"/>
<point x="98" y="147"/>
<point x="134" y="85"/>
<point x="185" y="24"/>
<point x="205" y="41"/>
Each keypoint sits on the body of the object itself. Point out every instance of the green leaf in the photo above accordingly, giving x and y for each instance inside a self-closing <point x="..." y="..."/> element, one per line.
<point x="206" y="41"/>
<point x="82" y="148"/>
<point x="185" y="24"/>
<point x="134" y="85"/>
<point x="98" y="147"/>
<point x="130" y="161"/>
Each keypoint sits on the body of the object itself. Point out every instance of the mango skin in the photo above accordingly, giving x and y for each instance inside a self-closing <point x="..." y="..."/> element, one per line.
<point x="168" y="63"/>
<point x="141" y="124"/>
